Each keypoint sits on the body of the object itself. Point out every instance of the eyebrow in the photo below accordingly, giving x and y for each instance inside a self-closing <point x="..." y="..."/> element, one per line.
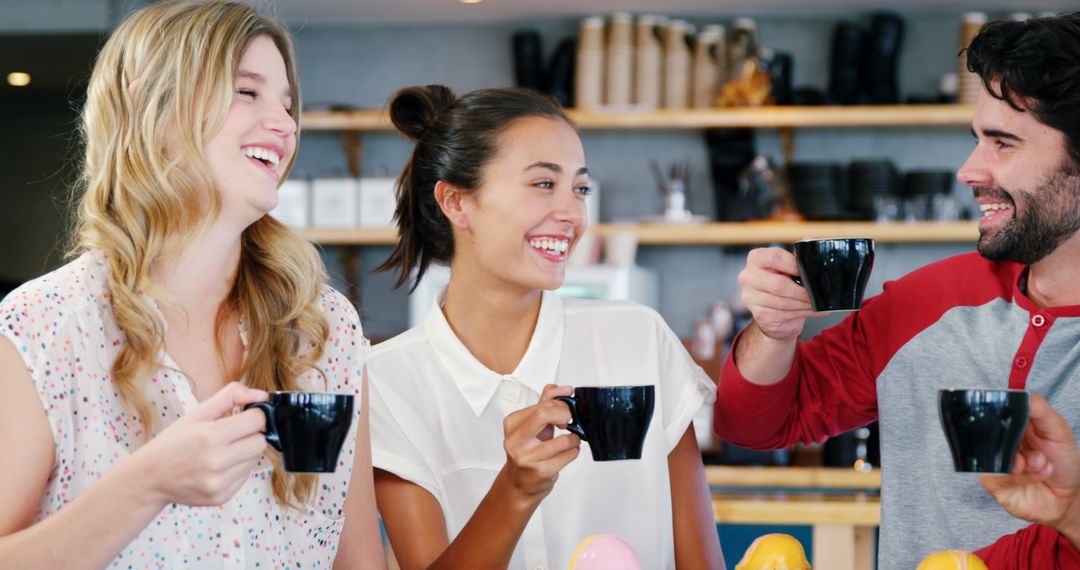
<point x="998" y="134"/>
<point x="555" y="167"/>
<point x="258" y="78"/>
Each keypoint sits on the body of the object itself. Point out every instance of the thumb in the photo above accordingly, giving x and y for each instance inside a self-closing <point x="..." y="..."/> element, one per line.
<point x="232" y="395"/>
<point x="1047" y="423"/>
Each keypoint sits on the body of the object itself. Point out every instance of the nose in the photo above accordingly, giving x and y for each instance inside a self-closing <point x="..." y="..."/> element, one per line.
<point x="278" y="120"/>
<point x="975" y="171"/>
<point x="570" y="208"/>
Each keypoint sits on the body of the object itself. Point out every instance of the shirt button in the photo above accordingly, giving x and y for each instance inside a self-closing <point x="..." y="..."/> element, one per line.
<point x="1021" y="362"/>
<point x="1038" y="320"/>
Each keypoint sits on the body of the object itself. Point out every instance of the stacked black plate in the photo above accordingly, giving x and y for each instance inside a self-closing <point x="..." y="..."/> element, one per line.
<point x="819" y="190"/>
<point x="928" y="182"/>
<point x="920" y="187"/>
<point x="869" y="179"/>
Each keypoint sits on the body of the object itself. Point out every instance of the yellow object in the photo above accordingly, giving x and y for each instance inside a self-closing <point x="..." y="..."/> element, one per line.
<point x="774" y="552"/>
<point x="952" y="560"/>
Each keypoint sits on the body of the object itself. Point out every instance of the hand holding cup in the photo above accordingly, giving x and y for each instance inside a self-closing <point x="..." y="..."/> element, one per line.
<point x="1044" y="483"/>
<point x="204" y="457"/>
<point x="778" y="304"/>
<point x="534" y="456"/>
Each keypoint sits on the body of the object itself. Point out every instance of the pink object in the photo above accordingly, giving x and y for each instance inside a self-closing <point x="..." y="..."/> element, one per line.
<point x="605" y="552"/>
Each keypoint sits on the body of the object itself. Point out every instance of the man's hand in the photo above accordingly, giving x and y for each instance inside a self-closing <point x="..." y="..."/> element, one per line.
<point x="1044" y="486"/>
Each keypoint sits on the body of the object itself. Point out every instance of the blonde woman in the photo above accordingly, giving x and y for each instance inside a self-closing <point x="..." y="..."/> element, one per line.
<point x="121" y="372"/>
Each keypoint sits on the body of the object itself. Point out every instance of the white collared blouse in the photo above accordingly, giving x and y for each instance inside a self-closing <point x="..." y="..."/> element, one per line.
<point x="62" y="324"/>
<point x="437" y="413"/>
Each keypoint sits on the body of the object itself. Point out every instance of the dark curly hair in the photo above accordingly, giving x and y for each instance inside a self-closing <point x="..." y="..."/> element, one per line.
<point x="455" y="138"/>
<point x="1035" y="65"/>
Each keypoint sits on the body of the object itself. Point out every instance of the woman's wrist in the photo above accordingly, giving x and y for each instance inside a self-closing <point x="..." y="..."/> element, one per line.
<point x="142" y="481"/>
<point x="513" y="496"/>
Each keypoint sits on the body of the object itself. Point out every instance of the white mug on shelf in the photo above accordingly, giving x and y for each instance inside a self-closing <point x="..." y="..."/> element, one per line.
<point x="334" y="203"/>
<point x="294" y="203"/>
<point x="377" y="202"/>
<point x="620" y="248"/>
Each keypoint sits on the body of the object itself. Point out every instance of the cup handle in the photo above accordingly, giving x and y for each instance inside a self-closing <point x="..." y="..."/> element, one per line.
<point x="573" y="427"/>
<point x="271" y="432"/>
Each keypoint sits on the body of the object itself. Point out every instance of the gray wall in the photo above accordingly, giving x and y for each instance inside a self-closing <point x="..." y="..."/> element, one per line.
<point x="363" y="67"/>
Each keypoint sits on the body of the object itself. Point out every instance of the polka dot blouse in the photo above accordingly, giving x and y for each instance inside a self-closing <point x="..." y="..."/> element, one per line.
<point x="63" y="326"/>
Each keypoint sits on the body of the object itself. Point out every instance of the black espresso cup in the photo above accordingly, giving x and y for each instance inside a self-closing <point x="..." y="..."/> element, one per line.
<point x="983" y="427"/>
<point x="834" y="271"/>
<point x="308" y="428"/>
<point x="613" y="419"/>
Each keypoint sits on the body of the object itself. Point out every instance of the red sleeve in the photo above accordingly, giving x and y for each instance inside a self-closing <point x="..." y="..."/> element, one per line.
<point x="1035" y="547"/>
<point x="832" y="385"/>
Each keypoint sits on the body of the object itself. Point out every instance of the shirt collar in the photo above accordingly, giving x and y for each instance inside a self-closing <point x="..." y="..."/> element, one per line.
<point x="1020" y="296"/>
<point x="476" y="382"/>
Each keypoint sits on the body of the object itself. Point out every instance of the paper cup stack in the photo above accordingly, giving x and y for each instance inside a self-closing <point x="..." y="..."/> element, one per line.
<point x="969" y="85"/>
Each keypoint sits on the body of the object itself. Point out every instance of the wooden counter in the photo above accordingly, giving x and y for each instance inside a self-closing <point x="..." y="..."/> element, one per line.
<point x="794" y="477"/>
<point x="843" y="525"/>
<point x="843" y="520"/>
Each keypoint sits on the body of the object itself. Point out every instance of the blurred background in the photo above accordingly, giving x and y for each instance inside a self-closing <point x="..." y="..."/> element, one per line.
<point x="616" y="64"/>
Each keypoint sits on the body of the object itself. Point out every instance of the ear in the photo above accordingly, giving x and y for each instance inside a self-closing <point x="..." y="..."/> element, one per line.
<point x="451" y="202"/>
<point x="133" y="88"/>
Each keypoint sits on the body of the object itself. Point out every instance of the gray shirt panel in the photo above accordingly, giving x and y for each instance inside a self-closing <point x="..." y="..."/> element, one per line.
<point x="926" y="506"/>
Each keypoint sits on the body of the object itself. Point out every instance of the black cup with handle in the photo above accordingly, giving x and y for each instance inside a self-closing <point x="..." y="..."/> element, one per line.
<point x="983" y="427"/>
<point x="613" y="419"/>
<point x="308" y="428"/>
<point x="834" y="271"/>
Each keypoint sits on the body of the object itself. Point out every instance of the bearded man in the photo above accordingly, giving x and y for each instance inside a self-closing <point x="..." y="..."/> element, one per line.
<point x="1007" y="317"/>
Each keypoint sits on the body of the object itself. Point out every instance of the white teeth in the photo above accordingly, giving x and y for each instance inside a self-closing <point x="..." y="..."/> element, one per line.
<point x="988" y="209"/>
<point x="552" y="245"/>
<point x="262" y="154"/>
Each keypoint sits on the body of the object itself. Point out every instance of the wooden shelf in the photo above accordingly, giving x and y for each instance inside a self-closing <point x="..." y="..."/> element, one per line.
<point x="728" y="233"/>
<point x="350" y="236"/>
<point x="792" y="477"/>
<point x="748" y="117"/>
<point x="746" y="233"/>
<point x="796" y="508"/>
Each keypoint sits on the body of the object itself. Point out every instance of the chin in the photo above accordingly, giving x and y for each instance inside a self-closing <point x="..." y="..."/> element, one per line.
<point x="549" y="283"/>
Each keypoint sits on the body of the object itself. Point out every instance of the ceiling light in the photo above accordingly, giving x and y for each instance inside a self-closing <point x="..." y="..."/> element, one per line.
<point x="471" y="1"/>
<point x="18" y="79"/>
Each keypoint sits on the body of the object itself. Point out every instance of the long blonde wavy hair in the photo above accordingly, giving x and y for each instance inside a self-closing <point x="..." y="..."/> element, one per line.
<point x="169" y="72"/>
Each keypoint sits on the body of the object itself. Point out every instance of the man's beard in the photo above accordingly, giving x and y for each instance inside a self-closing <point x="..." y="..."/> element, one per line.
<point x="1042" y="220"/>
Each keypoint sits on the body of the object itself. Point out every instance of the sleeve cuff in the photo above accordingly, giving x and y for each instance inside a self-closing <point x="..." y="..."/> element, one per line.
<point x="408" y="471"/>
<point x="695" y="395"/>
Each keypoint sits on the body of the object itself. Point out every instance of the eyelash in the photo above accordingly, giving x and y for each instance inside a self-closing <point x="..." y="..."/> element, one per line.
<point x="583" y="190"/>
<point x="251" y="93"/>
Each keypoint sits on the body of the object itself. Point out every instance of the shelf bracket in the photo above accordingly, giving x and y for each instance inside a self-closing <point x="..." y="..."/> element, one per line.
<point x="349" y="257"/>
<point x="787" y="143"/>
<point x="353" y="146"/>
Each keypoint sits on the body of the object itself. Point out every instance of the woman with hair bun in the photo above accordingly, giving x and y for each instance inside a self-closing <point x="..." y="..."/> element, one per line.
<point x="469" y="472"/>
<point x="122" y="372"/>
